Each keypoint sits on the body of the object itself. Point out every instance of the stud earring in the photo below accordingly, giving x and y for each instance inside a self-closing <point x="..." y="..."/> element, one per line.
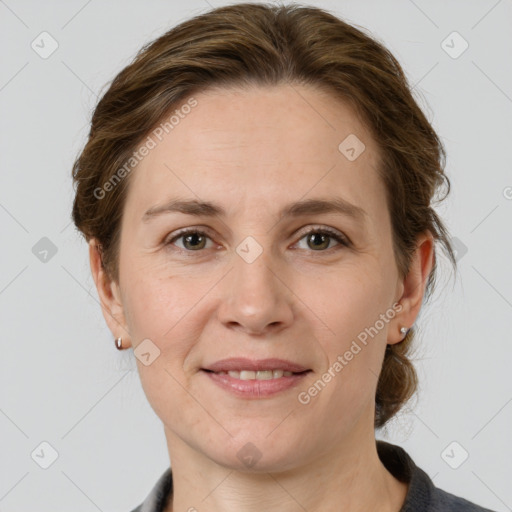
<point x="119" y="343"/>
<point x="404" y="330"/>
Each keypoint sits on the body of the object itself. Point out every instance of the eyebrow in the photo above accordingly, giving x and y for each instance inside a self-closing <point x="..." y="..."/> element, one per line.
<point x="298" y="209"/>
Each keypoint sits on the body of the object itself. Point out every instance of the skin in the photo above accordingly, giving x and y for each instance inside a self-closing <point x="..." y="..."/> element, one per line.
<point x="253" y="151"/>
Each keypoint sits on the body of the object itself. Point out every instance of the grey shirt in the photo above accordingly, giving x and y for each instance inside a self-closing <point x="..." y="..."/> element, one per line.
<point x="422" y="496"/>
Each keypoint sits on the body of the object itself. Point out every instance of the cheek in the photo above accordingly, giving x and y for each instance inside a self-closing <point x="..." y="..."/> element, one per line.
<point x="165" y="389"/>
<point x="164" y="312"/>
<point x="160" y="312"/>
<point x="153" y="307"/>
<point x="358" y="316"/>
<point x="354" y="303"/>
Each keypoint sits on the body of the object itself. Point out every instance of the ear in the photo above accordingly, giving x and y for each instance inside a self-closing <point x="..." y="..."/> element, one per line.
<point x="413" y="286"/>
<point x="110" y="296"/>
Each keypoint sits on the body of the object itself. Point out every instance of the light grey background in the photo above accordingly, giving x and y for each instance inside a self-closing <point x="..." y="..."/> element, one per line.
<point x="63" y="382"/>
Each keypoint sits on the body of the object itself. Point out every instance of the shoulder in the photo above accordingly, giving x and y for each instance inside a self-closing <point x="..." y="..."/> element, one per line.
<point x="422" y="495"/>
<point x="445" y="501"/>
<point x="157" y="498"/>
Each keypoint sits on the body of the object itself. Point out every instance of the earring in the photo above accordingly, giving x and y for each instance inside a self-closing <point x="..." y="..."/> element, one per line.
<point x="404" y="330"/>
<point x="119" y="343"/>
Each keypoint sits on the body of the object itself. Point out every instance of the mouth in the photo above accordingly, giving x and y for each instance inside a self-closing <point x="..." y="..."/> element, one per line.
<point x="255" y="379"/>
<point x="243" y="368"/>
<point x="277" y="373"/>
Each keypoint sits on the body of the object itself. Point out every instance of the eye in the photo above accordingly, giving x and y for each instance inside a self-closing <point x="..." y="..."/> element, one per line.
<point x="321" y="237"/>
<point x="196" y="240"/>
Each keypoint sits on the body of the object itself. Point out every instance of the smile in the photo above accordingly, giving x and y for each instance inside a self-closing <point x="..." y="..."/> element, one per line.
<point x="256" y="375"/>
<point x="255" y="384"/>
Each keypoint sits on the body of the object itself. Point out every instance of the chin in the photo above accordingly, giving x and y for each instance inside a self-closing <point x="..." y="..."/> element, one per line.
<point x="256" y="454"/>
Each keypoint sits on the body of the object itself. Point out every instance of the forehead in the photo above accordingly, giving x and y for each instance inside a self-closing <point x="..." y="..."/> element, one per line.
<point x="261" y="146"/>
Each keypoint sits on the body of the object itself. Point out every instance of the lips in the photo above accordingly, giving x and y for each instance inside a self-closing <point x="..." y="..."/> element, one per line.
<point x="255" y="389"/>
<point x="254" y="365"/>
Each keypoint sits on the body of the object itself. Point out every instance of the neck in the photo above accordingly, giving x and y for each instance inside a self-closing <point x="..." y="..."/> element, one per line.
<point x="349" y="479"/>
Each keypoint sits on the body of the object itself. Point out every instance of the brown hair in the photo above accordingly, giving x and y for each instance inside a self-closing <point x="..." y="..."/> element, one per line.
<point x="247" y="44"/>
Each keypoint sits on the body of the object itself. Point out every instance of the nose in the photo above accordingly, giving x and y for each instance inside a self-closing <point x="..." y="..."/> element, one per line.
<point x="255" y="297"/>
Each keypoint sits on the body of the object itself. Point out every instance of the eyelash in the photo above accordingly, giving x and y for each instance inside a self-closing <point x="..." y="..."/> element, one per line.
<point x="341" y="239"/>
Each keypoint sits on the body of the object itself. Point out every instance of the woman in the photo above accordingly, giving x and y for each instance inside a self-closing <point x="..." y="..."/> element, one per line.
<point x="256" y="193"/>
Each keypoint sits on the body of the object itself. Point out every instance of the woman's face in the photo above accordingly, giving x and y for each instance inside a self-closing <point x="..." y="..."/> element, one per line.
<point x="252" y="283"/>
